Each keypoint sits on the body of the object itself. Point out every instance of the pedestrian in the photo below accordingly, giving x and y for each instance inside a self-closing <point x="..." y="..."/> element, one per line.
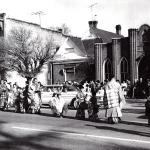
<point x="57" y="104"/>
<point x="81" y="103"/>
<point x="10" y="95"/>
<point x="93" y="105"/>
<point x="113" y="97"/>
<point x="18" y="100"/>
<point x="34" y="95"/>
<point x="3" y="95"/>
<point x="26" y="97"/>
<point x="147" y="110"/>
<point x="147" y="88"/>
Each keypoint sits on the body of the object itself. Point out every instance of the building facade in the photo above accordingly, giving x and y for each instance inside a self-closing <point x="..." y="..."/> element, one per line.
<point x="96" y="56"/>
<point x="109" y="53"/>
<point x="125" y="57"/>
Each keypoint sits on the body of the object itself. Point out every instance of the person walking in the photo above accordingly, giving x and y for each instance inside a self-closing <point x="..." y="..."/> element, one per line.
<point x="57" y="104"/>
<point x="147" y="110"/>
<point x="3" y="95"/>
<point x="10" y="95"/>
<point x="81" y="103"/>
<point x="18" y="100"/>
<point x="34" y="96"/>
<point x="113" y="98"/>
<point x="93" y="107"/>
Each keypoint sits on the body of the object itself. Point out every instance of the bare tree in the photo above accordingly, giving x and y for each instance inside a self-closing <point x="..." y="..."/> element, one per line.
<point x="65" y="29"/>
<point x="3" y="69"/>
<point x="26" y="53"/>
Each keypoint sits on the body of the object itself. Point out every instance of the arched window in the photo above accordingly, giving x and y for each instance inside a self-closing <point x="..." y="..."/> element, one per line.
<point x="146" y="40"/>
<point x="108" y="69"/>
<point x="124" y="69"/>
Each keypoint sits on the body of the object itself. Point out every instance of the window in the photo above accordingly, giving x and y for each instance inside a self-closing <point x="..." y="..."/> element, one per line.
<point x="108" y="69"/>
<point x="1" y="26"/>
<point x="70" y="68"/>
<point x="124" y="69"/>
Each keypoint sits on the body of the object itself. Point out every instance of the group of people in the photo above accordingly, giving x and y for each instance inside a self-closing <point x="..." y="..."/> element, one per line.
<point x="91" y="96"/>
<point x="27" y="99"/>
<point x="95" y="95"/>
<point x="140" y="89"/>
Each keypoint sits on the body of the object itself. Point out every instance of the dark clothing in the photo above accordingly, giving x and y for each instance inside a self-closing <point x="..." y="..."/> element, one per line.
<point x="25" y="99"/>
<point x="80" y="114"/>
<point x="80" y="98"/>
<point x="147" y="108"/>
<point x="18" y="102"/>
<point x="93" y="109"/>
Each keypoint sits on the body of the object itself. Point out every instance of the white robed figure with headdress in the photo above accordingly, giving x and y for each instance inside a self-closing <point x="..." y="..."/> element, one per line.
<point x="57" y="104"/>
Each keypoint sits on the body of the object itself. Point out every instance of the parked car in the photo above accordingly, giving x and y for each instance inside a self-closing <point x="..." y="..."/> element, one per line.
<point x="48" y="91"/>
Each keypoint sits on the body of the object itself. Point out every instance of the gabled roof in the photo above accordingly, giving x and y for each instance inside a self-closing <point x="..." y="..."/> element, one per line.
<point x="78" y="43"/>
<point x="72" y="49"/>
<point x="106" y="36"/>
<point x="97" y="35"/>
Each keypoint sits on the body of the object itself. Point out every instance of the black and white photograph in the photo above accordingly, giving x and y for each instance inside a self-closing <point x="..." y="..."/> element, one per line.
<point x="74" y="74"/>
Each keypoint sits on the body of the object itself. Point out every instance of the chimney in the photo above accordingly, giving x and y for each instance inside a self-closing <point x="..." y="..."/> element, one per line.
<point x="60" y="30"/>
<point x="118" y="29"/>
<point x="93" y="24"/>
<point x="2" y="15"/>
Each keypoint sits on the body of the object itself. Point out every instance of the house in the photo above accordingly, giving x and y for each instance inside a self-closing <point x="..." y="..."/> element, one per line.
<point x="70" y="62"/>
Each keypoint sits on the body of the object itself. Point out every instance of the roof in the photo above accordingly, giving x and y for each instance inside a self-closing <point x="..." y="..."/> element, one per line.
<point x="89" y="46"/>
<point x="38" y="26"/>
<point x="78" y="43"/>
<point x="97" y="35"/>
<point x="106" y="36"/>
<point x="72" y="49"/>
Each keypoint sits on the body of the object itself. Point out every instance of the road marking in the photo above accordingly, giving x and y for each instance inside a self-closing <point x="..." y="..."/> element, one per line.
<point x="84" y="135"/>
<point x="142" y="122"/>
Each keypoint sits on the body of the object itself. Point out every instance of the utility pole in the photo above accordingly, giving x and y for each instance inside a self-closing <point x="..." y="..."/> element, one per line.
<point x="39" y="13"/>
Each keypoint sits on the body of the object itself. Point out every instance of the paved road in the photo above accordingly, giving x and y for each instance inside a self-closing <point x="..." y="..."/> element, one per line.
<point x="44" y="132"/>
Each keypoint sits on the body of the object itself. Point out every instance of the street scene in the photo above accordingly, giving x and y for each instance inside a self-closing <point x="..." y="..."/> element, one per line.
<point x="32" y="131"/>
<point x="74" y="75"/>
<point x="26" y="131"/>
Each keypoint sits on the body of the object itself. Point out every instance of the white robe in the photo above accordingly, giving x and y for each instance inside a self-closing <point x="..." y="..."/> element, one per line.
<point x="57" y="105"/>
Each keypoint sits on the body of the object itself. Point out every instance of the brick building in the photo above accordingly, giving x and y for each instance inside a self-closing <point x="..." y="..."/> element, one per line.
<point x="125" y="57"/>
<point x="107" y="53"/>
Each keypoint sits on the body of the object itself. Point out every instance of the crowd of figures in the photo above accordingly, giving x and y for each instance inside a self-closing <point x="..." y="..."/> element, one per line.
<point x="25" y="99"/>
<point x="95" y="96"/>
<point x="91" y="97"/>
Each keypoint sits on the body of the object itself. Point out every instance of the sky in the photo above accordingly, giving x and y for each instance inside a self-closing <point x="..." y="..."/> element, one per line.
<point x="76" y="13"/>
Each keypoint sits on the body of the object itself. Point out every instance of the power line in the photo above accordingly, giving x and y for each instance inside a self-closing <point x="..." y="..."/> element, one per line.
<point x="39" y="14"/>
<point x="91" y="7"/>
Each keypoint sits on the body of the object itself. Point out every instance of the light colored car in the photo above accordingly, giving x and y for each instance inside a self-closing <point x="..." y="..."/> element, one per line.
<point x="48" y="91"/>
<point x="67" y="96"/>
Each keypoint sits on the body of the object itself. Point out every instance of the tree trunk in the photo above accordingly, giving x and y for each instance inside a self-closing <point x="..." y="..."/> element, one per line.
<point x="26" y="94"/>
